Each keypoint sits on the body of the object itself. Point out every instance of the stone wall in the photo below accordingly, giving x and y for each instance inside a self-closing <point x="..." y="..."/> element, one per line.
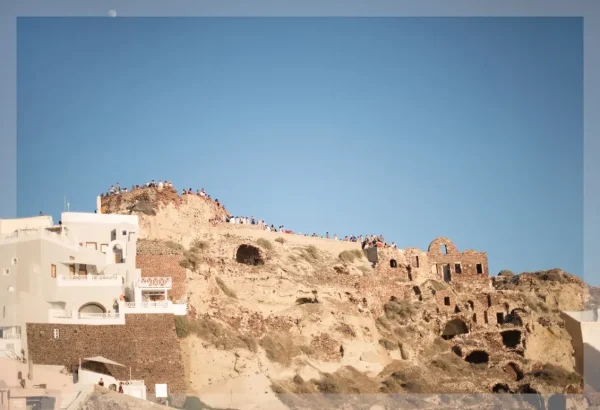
<point x="157" y="259"/>
<point x="463" y="267"/>
<point x="147" y="343"/>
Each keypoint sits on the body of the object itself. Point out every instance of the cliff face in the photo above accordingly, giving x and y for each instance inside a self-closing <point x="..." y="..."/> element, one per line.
<point x="275" y="314"/>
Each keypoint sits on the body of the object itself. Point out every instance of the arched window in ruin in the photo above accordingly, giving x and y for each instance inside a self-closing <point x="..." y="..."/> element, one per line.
<point x="393" y="263"/>
<point x="453" y="328"/>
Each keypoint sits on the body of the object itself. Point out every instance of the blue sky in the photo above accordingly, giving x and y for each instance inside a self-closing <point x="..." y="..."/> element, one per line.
<point x="470" y="128"/>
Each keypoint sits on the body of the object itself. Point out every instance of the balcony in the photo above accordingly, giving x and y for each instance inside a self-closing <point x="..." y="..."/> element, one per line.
<point x="81" y="318"/>
<point x="157" y="282"/>
<point x="90" y="280"/>
<point x="163" y="306"/>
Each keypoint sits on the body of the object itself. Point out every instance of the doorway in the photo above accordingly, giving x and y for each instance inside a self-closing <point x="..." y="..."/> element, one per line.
<point x="446" y="272"/>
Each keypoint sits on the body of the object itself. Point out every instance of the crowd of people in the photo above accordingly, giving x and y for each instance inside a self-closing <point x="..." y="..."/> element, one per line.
<point x="366" y="241"/>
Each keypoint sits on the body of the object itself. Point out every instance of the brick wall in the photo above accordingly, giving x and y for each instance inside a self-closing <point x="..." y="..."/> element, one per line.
<point x="156" y="259"/>
<point x="443" y="252"/>
<point x="147" y="343"/>
<point x="164" y="265"/>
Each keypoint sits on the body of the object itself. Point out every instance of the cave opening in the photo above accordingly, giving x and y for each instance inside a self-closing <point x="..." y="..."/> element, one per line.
<point x="511" y="338"/>
<point x="477" y="357"/>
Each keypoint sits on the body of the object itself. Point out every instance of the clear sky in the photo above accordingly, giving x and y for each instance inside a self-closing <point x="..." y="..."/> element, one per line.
<point x="470" y="128"/>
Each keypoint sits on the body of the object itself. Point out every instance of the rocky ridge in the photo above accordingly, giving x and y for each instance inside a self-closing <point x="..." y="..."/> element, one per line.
<point x="279" y="319"/>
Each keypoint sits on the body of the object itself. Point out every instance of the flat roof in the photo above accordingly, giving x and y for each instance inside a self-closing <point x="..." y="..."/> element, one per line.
<point x="89" y="217"/>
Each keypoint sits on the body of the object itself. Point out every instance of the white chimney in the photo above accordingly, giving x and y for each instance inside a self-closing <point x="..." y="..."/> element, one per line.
<point x="98" y="205"/>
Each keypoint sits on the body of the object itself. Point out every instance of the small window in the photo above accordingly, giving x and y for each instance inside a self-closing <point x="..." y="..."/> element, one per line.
<point x="6" y="271"/>
<point x="447" y="301"/>
<point x="479" y="268"/>
<point x="500" y="318"/>
<point x="417" y="262"/>
<point x="13" y="261"/>
<point x="474" y="317"/>
<point x="444" y="249"/>
<point x="55" y="333"/>
<point x="457" y="268"/>
<point x="124" y="233"/>
<point x="393" y="263"/>
<point x="53" y="271"/>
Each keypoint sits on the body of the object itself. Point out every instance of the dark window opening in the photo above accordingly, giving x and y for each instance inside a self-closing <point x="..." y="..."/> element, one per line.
<point x="457" y="268"/>
<point x="444" y="249"/>
<point x="447" y="301"/>
<point x="511" y="338"/>
<point x="417" y="261"/>
<point x="475" y="317"/>
<point x="500" y="318"/>
<point x="500" y="388"/>
<point x="489" y="300"/>
<point x="479" y="268"/>
<point x="485" y="318"/>
<point x="477" y="357"/>
<point x="514" y="370"/>
<point x="393" y="263"/>
<point x="456" y="309"/>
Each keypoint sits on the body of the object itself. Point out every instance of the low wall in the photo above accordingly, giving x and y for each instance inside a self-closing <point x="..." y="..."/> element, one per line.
<point x="147" y="343"/>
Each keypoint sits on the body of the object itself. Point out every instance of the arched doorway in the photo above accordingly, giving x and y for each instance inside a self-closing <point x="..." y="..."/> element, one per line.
<point x="92" y="307"/>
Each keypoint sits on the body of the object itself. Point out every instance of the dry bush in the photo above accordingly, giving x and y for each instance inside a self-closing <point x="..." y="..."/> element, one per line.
<point x="535" y="304"/>
<point x="222" y="337"/>
<point x="279" y="347"/>
<point x="310" y="253"/>
<point x="265" y="243"/>
<point x="224" y="288"/>
<point x="174" y="245"/>
<point x="280" y="240"/>
<point x="556" y="375"/>
<point x="307" y="350"/>
<point x="398" y="310"/>
<point x="388" y="344"/>
<point x="184" y="327"/>
<point x="554" y="276"/>
<point x="191" y="260"/>
<point x="346" y="330"/>
<point x="347" y="380"/>
<point x="350" y="256"/>
<point x="199" y="245"/>
<point x="365" y="270"/>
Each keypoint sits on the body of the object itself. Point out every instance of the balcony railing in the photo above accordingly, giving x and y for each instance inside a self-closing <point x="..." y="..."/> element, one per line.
<point x="10" y="336"/>
<point x="40" y="233"/>
<point x="147" y="305"/>
<point x="155" y="282"/>
<point x="68" y="317"/>
<point x="91" y="280"/>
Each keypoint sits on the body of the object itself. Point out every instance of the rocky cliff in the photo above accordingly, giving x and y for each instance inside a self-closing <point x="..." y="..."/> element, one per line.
<point x="278" y="317"/>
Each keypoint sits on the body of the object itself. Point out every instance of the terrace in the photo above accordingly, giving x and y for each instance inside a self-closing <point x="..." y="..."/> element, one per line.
<point x="90" y="280"/>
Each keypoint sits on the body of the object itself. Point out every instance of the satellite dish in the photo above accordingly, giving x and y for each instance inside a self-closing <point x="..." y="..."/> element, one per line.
<point x="112" y="13"/>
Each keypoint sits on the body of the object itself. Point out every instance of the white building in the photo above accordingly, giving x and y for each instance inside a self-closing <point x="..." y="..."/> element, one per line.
<point x="80" y="272"/>
<point x="584" y="329"/>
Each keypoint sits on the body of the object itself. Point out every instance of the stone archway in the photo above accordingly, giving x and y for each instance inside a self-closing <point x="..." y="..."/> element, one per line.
<point x="116" y="252"/>
<point x="454" y="327"/>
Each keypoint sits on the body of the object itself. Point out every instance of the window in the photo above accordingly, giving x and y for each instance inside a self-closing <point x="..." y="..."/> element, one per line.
<point x="13" y="261"/>
<point x="417" y="262"/>
<point x="500" y="318"/>
<point x="91" y="245"/>
<point x="393" y="263"/>
<point x="55" y="333"/>
<point x="479" y="268"/>
<point x="124" y="233"/>
<point x="444" y="249"/>
<point x="103" y="247"/>
<point x="6" y="271"/>
<point x="53" y="271"/>
<point x="457" y="268"/>
<point x="447" y="301"/>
